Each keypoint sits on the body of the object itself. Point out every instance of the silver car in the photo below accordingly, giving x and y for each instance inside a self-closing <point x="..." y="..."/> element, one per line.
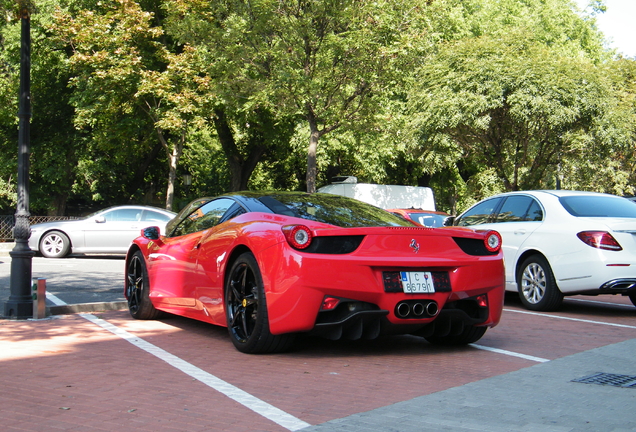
<point x="107" y="231"/>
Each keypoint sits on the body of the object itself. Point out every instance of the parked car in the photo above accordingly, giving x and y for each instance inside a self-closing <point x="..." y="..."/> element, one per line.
<point x="560" y="243"/>
<point x="427" y="218"/>
<point x="108" y="231"/>
<point x="270" y="265"/>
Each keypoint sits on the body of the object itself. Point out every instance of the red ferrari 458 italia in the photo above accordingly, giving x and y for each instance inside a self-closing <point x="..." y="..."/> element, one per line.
<point x="272" y="265"/>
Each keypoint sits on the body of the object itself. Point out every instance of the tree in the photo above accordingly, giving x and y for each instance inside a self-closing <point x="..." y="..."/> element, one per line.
<point x="259" y="133"/>
<point x="518" y="101"/>
<point x="329" y="62"/>
<point x="127" y="79"/>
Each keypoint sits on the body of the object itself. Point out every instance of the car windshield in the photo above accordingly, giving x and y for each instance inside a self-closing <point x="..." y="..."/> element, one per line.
<point x="599" y="206"/>
<point x="331" y="209"/>
<point x="430" y="220"/>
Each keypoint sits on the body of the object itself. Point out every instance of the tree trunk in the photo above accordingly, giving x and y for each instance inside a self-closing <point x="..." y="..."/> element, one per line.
<point x="241" y="168"/>
<point x="59" y="205"/>
<point x="312" y="170"/>
<point x="226" y="137"/>
<point x="174" y="155"/>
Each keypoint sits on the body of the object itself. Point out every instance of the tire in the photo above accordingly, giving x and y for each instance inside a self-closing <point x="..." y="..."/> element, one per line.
<point x="137" y="290"/>
<point x="469" y="335"/>
<point x="246" y="310"/>
<point x="55" y="244"/>
<point x="537" y="287"/>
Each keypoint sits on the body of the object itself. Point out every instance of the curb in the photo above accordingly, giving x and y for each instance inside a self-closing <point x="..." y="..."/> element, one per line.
<point x="82" y="308"/>
<point x="85" y="307"/>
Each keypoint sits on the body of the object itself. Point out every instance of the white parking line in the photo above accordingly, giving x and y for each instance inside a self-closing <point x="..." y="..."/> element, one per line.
<point x="259" y="406"/>
<point x="56" y="301"/>
<point x="262" y="408"/>
<point x="510" y="353"/>
<point x="570" y="319"/>
<point x="600" y="302"/>
<point x="539" y="359"/>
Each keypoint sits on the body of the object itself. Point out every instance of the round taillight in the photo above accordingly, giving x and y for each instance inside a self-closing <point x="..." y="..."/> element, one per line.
<point x="493" y="241"/>
<point x="298" y="236"/>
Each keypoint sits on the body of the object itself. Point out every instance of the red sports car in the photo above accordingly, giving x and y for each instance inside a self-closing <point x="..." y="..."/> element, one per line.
<point x="271" y="265"/>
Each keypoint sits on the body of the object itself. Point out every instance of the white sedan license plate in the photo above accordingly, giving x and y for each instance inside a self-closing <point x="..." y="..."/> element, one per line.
<point x="417" y="282"/>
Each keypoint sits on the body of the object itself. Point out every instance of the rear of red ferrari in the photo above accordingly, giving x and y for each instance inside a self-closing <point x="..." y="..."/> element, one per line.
<point x="444" y="284"/>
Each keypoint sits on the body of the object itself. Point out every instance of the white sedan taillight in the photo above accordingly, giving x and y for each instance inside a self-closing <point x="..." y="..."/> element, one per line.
<point x="599" y="240"/>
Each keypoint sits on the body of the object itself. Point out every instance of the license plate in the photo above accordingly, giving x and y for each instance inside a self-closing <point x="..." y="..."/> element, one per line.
<point x="417" y="282"/>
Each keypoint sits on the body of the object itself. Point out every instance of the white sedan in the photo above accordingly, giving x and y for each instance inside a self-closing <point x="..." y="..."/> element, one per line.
<point x="108" y="231"/>
<point x="561" y="242"/>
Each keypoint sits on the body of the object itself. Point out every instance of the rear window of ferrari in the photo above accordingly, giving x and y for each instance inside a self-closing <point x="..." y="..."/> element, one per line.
<point x="599" y="206"/>
<point x="332" y="209"/>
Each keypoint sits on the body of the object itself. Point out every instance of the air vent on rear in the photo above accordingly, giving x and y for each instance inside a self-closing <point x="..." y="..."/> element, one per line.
<point x="335" y="245"/>
<point x="473" y="246"/>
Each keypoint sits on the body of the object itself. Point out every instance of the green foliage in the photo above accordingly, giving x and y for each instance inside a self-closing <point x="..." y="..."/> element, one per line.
<point x="469" y="97"/>
<point x="129" y="86"/>
<point x="326" y="62"/>
<point x="8" y="196"/>
<point x="520" y="102"/>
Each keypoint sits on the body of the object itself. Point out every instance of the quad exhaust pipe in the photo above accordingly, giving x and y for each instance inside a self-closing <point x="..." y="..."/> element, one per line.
<point x="416" y="309"/>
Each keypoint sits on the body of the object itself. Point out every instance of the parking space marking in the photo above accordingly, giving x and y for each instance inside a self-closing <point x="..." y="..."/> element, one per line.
<point x="259" y="406"/>
<point x="601" y="302"/>
<point x="570" y="319"/>
<point x="510" y="353"/>
<point x="56" y="301"/>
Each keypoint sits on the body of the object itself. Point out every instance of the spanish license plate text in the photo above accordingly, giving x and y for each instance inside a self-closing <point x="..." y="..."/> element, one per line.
<point x="417" y="282"/>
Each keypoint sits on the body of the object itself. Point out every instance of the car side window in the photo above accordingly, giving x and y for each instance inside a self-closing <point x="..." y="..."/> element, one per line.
<point x="535" y="212"/>
<point x="233" y="212"/>
<point x="150" y="215"/>
<point x="204" y="217"/>
<point x="123" y="215"/>
<point x="519" y="208"/>
<point x="514" y="209"/>
<point x="479" y="214"/>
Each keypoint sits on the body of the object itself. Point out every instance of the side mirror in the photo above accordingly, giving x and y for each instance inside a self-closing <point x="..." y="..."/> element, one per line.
<point x="449" y="221"/>
<point x="151" y="233"/>
<point x="100" y="219"/>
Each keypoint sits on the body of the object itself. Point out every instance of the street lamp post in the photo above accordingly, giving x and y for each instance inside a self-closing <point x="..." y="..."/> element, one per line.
<point x="20" y="302"/>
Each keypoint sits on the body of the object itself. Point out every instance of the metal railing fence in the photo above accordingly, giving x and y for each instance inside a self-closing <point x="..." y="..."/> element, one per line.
<point x="7" y="223"/>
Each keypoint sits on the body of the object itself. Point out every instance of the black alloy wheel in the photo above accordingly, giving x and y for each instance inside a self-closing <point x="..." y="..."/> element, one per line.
<point x="246" y="310"/>
<point x="137" y="289"/>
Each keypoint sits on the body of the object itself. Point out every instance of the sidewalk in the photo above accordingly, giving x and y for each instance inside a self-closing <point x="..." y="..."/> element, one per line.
<point x="542" y="398"/>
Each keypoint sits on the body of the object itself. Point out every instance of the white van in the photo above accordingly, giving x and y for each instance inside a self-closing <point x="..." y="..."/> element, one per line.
<point x="383" y="196"/>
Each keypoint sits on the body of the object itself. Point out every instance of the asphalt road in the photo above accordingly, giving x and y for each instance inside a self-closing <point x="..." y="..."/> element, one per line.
<point x="74" y="280"/>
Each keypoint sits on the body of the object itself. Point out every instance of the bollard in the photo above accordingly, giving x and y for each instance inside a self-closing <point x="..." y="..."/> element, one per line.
<point x="38" y="287"/>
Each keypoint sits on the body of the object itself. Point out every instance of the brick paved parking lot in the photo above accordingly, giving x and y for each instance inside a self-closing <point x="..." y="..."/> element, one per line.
<point x="108" y="372"/>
